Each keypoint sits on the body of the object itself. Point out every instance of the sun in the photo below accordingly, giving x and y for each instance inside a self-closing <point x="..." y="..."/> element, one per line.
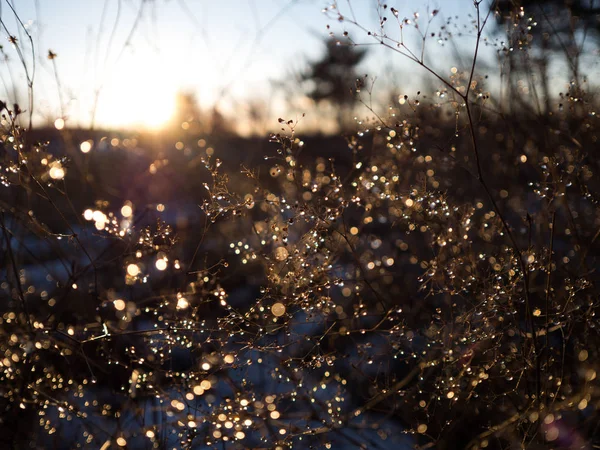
<point x="138" y="95"/>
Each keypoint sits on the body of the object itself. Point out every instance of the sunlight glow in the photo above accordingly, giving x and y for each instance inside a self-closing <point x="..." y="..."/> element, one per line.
<point x="141" y="94"/>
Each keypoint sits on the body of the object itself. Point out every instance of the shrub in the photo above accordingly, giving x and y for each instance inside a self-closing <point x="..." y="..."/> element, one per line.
<point x="432" y="285"/>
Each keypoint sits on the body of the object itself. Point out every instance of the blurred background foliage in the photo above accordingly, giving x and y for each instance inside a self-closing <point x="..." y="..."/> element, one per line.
<point x="427" y="279"/>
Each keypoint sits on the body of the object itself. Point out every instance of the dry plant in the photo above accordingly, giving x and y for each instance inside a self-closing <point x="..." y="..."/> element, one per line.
<point x="435" y="287"/>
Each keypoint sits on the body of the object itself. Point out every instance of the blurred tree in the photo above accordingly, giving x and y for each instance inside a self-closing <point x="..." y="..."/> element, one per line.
<point x="188" y="115"/>
<point x="193" y="120"/>
<point x="256" y="116"/>
<point x="219" y="123"/>
<point x="553" y="27"/>
<point x="334" y="76"/>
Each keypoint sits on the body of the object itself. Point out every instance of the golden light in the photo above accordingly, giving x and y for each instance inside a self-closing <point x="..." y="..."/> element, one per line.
<point x="278" y="309"/>
<point x="198" y="390"/>
<point x="178" y="405"/>
<point x="119" y="305"/>
<point x="85" y="146"/>
<point x="126" y="210"/>
<point x="56" y="171"/>
<point x="281" y="253"/>
<point x="88" y="214"/>
<point x="161" y="264"/>
<point x="182" y="302"/>
<point x="99" y="216"/>
<point x="133" y="270"/>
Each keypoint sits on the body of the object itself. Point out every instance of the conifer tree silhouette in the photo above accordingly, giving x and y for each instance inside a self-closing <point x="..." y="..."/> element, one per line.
<point x="334" y="76"/>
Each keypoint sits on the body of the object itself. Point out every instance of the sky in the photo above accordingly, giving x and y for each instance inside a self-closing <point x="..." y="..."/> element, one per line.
<point x="120" y="63"/>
